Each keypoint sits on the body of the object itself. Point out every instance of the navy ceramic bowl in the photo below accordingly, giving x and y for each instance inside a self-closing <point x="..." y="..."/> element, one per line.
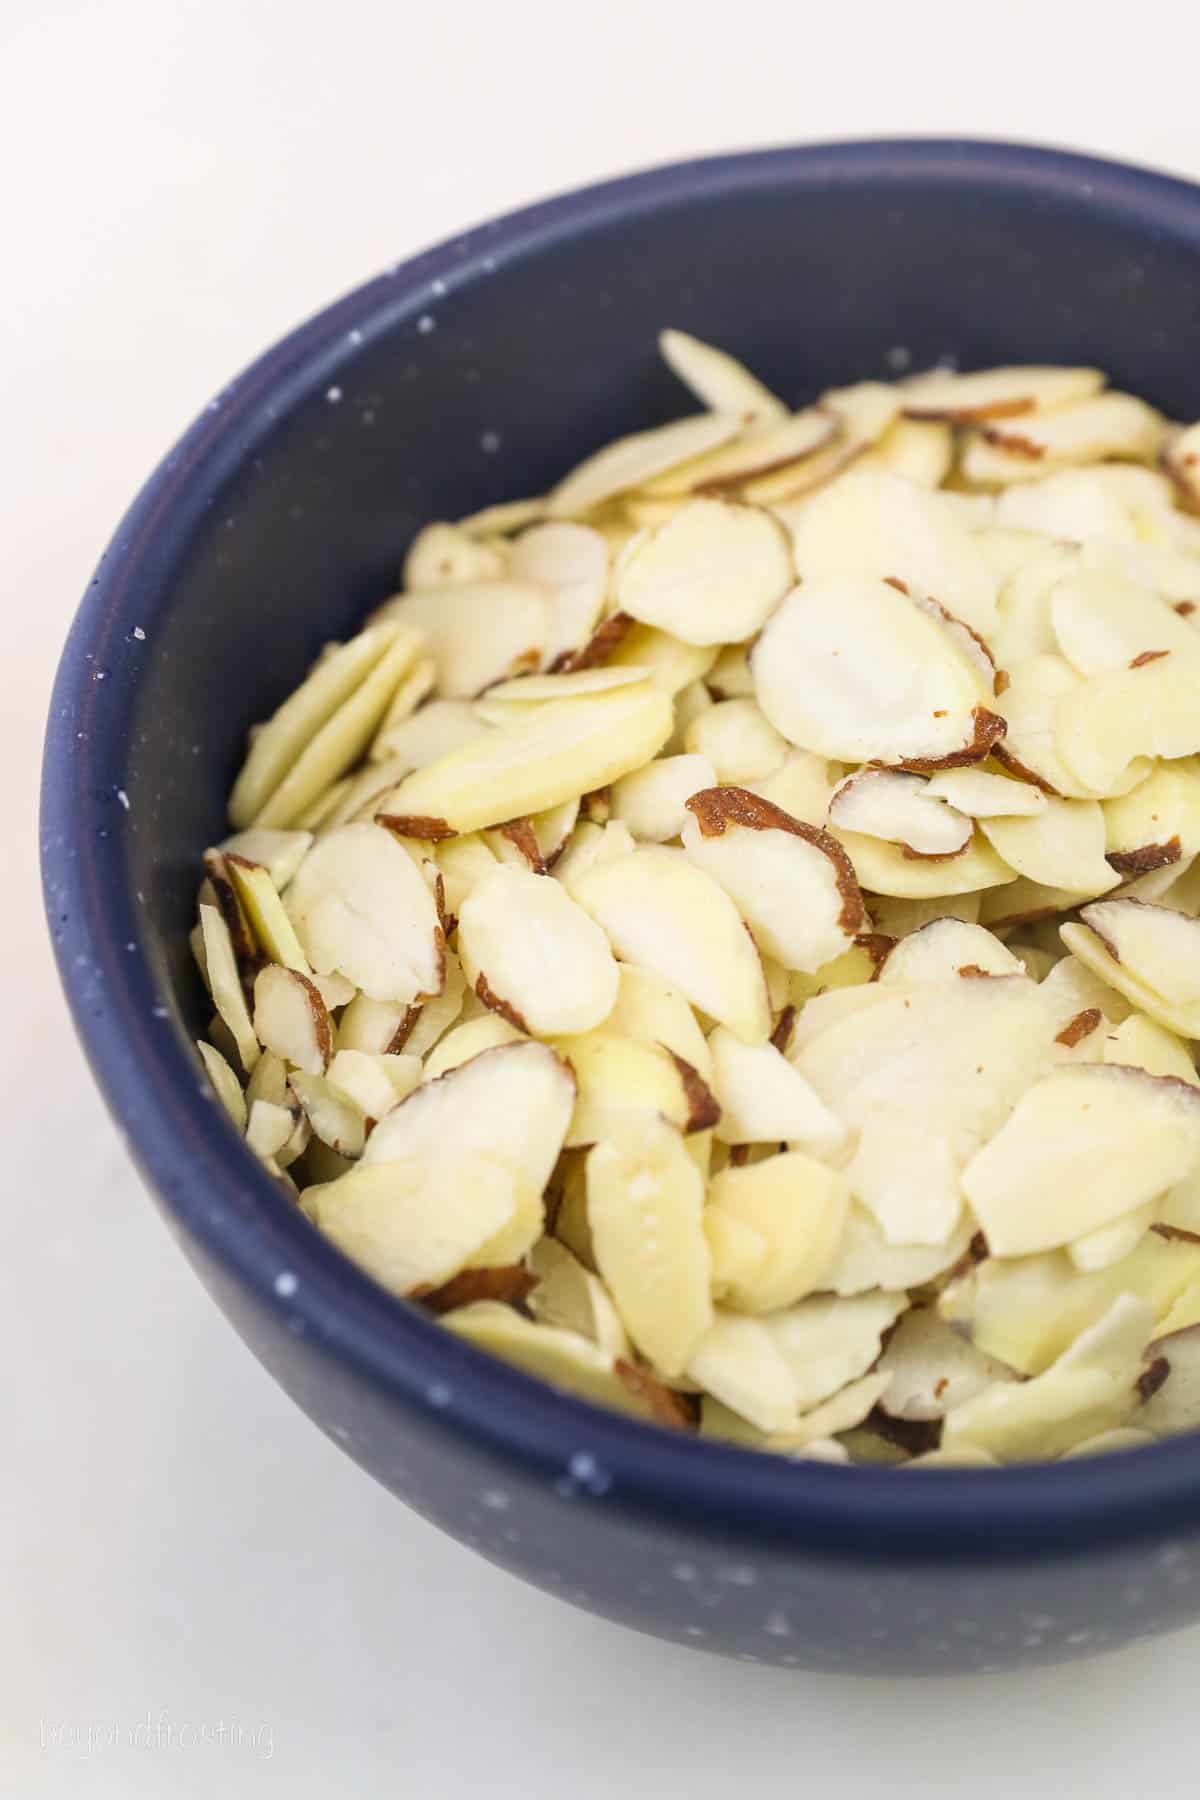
<point x="474" y="373"/>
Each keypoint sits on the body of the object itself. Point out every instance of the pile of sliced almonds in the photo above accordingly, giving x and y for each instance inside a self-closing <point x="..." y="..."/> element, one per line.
<point x="726" y="936"/>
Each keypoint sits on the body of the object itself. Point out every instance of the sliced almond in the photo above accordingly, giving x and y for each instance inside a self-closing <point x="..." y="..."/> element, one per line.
<point x="849" y="667"/>
<point x="660" y="911"/>
<point x="764" y="1099"/>
<point x="790" y="881"/>
<point x="1109" y="1245"/>
<point x="717" y="380"/>
<point x="477" y="633"/>
<point x="864" y="1259"/>
<point x="273" y="930"/>
<point x="737" y="1363"/>
<point x="862" y="415"/>
<point x="1182" y="464"/>
<point x="1151" y="954"/>
<point x="565" y="749"/>
<point x="268" y="1129"/>
<point x="888" y="804"/>
<point x="645" y="1208"/>
<point x="1062" y="845"/>
<point x="225" y="985"/>
<point x="279" y="852"/>
<point x="827" y="1342"/>
<point x="874" y="523"/>
<point x="291" y="1019"/>
<point x="1175" y="1405"/>
<point x="335" y="1118"/>
<point x="651" y="800"/>
<point x="650" y="1011"/>
<point x="535" y="690"/>
<point x="946" y="950"/>
<point x="226" y="1085"/>
<point x="413" y="1225"/>
<point x="710" y="576"/>
<point x="920" y="450"/>
<point x="434" y="1017"/>
<point x="738" y="741"/>
<point x="1141" y="1043"/>
<point x="1158" y="824"/>
<point x="362" y="909"/>
<point x="1105" y="621"/>
<point x="569" y="1296"/>
<point x="444" y="555"/>
<point x="1025" y="626"/>
<point x="545" y="963"/>
<point x="730" y="677"/>
<point x="571" y="563"/>
<point x="797" y="1207"/>
<point x="1072" y="987"/>
<point x="631" y="462"/>
<point x="374" y="1083"/>
<point x="773" y="450"/>
<point x="414" y="687"/>
<point x="981" y="794"/>
<point x="564" y="1358"/>
<point x="933" y="1368"/>
<point x="996" y="393"/>
<point x="621" y="1084"/>
<point x="469" y="1039"/>
<point x="434" y="730"/>
<point x="883" y="868"/>
<point x="1109" y="425"/>
<point x="1083" y="1147"/>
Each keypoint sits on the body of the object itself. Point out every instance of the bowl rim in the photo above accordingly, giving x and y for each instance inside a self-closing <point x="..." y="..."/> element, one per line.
<point x="191" y="1155"/>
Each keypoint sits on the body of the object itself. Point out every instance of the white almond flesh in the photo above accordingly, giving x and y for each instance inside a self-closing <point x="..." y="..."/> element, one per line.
<point x="268" y="1128"/>
<point x="932" y="1368"/>
<point x="827" y="1342"/>
<point x="533" y="954"/>
<point x="737" y="1362"/>
<point x="1109" y="724"/>
<point x="667" y="662"/>
<point x="569" y="684"/>
<point x="883" y="868"/>
<point x="291" y="1019"/>
<point x="790" y="881"/>
<point x="865" y="1260"/>
<point x="718" y="380"/>
<point x="771" y="451"/>
<point x="889" y="804"/>
<point x="1075" y="505"/>
<point x="375" y="1025"/>
<point x="645" y="1209"/>
<point x="268" y="1081"/>
<point x="1022" y="449"/>
<point x="436" y="1014"/>
<point x="477" y="632"/>
<point x="1110" y="1244"/>
<point x="650" y="1011"/>
<point x="569" y="1296"/>
<point x="1172" y="573"/>
<point x="651" y="800"/>
<point x="981" y="794"/>
<point x="335" y="1118"/>
<point x="1183" y="466"/>
<point x="469" y="1039"/>
<point x="1105" y="621"/>
<point x="1091" y="1389"/>
<point x="1158" y="824"/>
<point x="503" y="518"/>
<point x="462" y="861"/>
<point x="335" y="991"/>
<point x="511" y="1104"/>
<point x="873" y="523"/>
<point x="374" y="1083"/>
<point x="764" y="1099"/>
<point x="630" y="462"/>
<point x="1141" y="1043"/>
<point x="1062" y="845"/>
<point x="433" y="731"/>
<point x="279" y="852"/>
<point x="443" y="555"/>
<point x="413" y="1225"/>
<point x="1083" y="1147"/>
<point x="414" y="687"/>
<point x="343" y="737"/>
<point x="862" y="414"/>
<point x="921" y="450"/>
<point x="564" y="1358"/>
<point x="730" y="677"/>
<point x="712" y="575"/>
<point x="843" y="1411"/>
<point x="1151" y="954"/>
<point x="941" y="950"/>
<point x="591" y="843"/>
<point x="226" y="1085"/>
<point x="1027" y="1311"/>
<point x="571" y="563"/>
<point x="849" y="667"/>
<point x="801" y="785"/>
<point x="279" y="744"/>
<point x="265" y="913"/>
<point x="996" y="393"/>
<point x="562" y="750"/>
<point x="225" y="985"/>
<point x="362" y="909"/>
<point x="1121" y="1437"/>
<point x="740" y="1253"/>
<point x="738" y="740"/>
<point x="662" y="912"/>
<point x="621" y="1084"/>
<point x="1176" y="1404"/>
<point x="1025" y="626"/>
<point x="961" y="1456"/>
<point x="798" y="1207"/>
<point x="896" y="917"/>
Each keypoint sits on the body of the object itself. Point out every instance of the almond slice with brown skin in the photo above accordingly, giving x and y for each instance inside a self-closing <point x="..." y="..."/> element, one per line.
<point x="335" y="1118"/>
<point x="1107" y="426"/>
<point x="1106" y="728"/>
<point x="667" y="662"/>
<point x="982" y="794"/>
<point x="898" y="807"/>
<point x="883" y="868"/>
<point x="651" y="801"/>
<point x="933" y="1368"/>
<point x="827" y="1342"/>
<point x="790" y="881"/>
<point x="717" y="380"/>
<point x="570" y="1296"/>
<point x="374" y="1084"/>
<point x="279" y="852"/>
<point x="469" y="1039"/>
<point x="1105" y="621"/>
<point x="225" y="984"/>
<point x="645" y="1208"/>
<point x="477" y="633"/>
<point x="362" y="909"/>
<point x="1083" y="1147"/>
<point x="942" y="950"/>
<point x="775" y="449"/>
<point x="622" y="1084"/>
<point x="651" y="1011"/>
<point x="570" y="562"/>
<point x="538" y="951"/>
<point x="737" y="1363"/>
<point x="1158" y="824"/>
<point x="273" y="930"/>
<point x="630" y="462"/>
<point x="996" y="393"/>
<point x="564" y="749"/>
<point x="710" y="576"/>
<point x="1151" y="954"/>
<point x="564" y="1358"/>
<point x="413" y="1225"/>
<point x="1062" y="845"/>
<point x="291" y="1019"/>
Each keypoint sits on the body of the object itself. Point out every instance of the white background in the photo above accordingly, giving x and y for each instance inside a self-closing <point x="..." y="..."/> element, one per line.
<point x="180" y="181"/>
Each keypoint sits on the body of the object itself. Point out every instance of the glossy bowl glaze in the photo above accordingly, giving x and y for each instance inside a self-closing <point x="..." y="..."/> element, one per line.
<point x="474" y="373"/>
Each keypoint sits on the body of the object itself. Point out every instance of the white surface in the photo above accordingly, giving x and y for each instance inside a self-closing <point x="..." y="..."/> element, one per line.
<point x="183" y="179"/>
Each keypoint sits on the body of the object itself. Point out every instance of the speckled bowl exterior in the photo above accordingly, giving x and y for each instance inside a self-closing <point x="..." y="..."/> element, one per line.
<point x="474" y="373"/>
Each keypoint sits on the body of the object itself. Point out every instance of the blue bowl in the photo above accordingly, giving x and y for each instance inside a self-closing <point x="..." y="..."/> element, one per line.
<point x="473" y="373"/>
